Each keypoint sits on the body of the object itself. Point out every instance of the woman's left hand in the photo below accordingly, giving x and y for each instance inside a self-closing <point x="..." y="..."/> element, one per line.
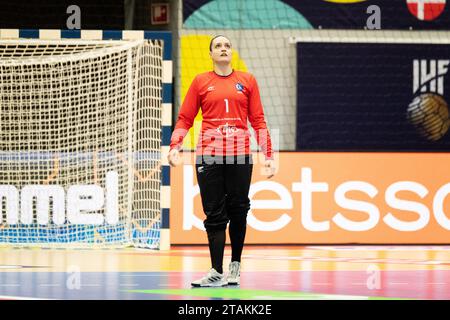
<point x="270" y="168"/>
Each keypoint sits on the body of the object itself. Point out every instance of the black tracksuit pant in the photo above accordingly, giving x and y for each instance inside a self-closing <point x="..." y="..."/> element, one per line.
<point x="224" y="186"/>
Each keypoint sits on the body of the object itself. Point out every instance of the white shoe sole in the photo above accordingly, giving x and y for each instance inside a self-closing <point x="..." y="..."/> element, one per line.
<point x="206" y="285"/>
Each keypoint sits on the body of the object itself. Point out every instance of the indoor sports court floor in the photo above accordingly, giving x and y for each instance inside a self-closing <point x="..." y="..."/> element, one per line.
<point x="268" y="272"/>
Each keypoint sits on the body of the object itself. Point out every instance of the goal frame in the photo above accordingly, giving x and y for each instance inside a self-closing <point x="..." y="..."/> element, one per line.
<point x="167" y="99"/>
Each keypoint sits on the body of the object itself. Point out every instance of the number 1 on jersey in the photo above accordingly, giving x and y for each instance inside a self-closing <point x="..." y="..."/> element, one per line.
<point x="226" y="105"/>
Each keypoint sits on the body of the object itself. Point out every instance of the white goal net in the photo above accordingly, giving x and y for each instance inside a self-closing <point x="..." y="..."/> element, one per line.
<point x="80" y="136"/>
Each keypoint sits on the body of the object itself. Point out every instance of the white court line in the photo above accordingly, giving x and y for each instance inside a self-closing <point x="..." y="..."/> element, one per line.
<point x="352" y="260"/>
<point x="50" y="285"/>
<point x="91" y="285"/>
<point x="21" y="298"/>
<point x="10" y="285"/>
<point x="145" y="275"/>
<point x="168" y="285"/>
<point x="380" y="248"/>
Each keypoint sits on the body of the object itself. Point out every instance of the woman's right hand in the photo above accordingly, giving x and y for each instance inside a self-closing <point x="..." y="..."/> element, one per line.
<point x="174" y="158"/>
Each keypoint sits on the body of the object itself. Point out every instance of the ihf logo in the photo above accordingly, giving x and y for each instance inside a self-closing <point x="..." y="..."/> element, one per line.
<point x="428" y="111"/>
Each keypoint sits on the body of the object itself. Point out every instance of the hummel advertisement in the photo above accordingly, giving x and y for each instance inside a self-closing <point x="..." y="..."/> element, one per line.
<point x="373" y="97"/>
<point x="339" y="198"/>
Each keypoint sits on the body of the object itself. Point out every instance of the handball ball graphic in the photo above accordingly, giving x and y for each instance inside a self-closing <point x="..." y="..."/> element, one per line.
<point x="428" y="112"/>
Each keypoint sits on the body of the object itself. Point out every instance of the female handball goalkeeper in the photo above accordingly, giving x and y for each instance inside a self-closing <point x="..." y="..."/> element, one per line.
<point x="228" y="98"/>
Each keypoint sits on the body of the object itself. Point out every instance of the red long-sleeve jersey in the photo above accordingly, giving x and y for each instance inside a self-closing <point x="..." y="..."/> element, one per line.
<point x="227" y="102"/>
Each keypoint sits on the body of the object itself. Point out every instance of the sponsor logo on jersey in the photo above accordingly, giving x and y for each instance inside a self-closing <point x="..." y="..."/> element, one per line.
<point x="239" y="87"/>
<point x="211" y="88"/>
<point x="226" y="130"/>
